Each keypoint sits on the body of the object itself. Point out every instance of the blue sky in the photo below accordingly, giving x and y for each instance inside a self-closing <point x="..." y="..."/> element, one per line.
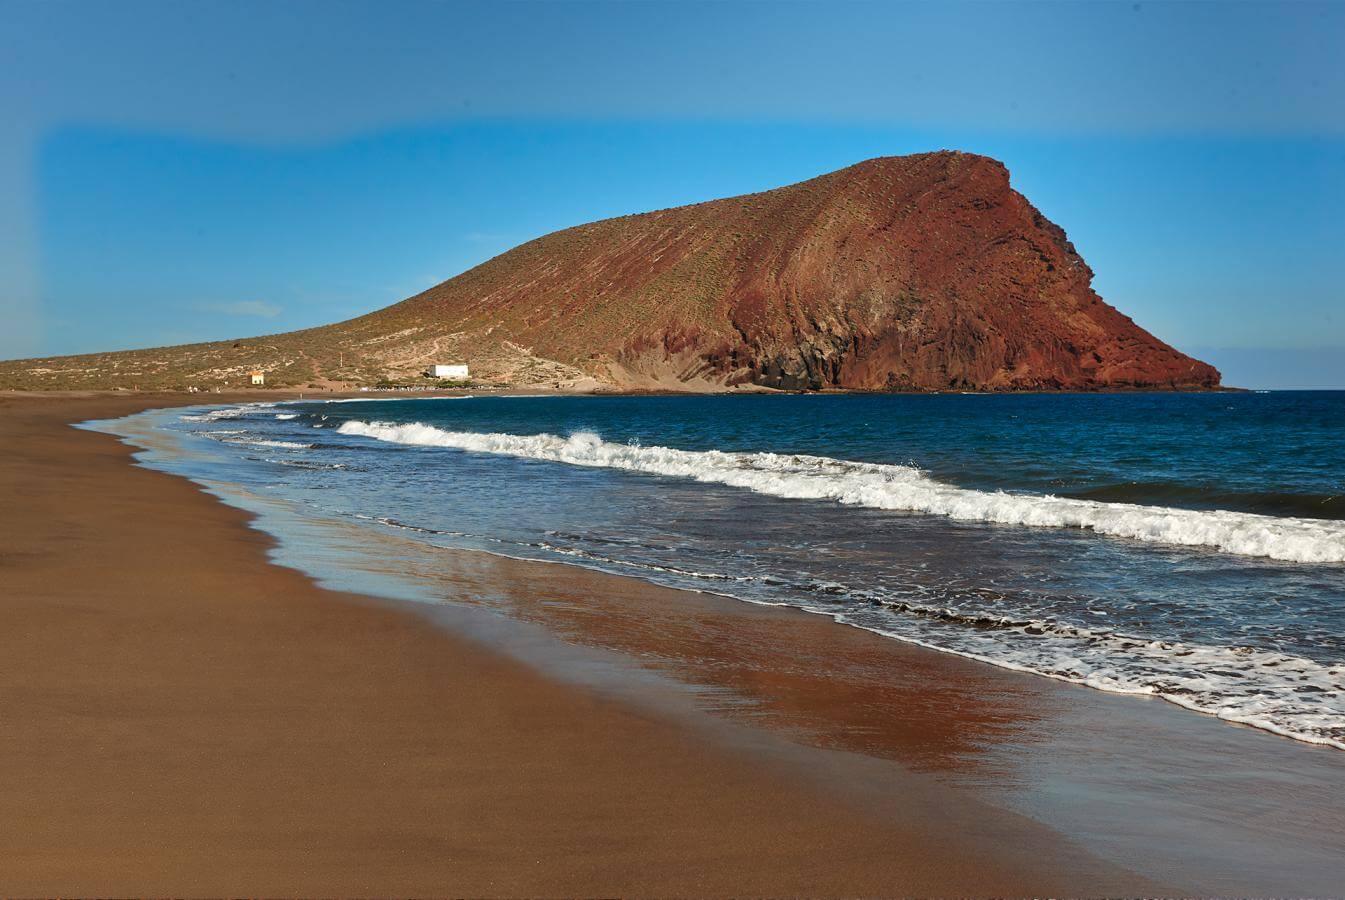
<point x="198" y="171"/>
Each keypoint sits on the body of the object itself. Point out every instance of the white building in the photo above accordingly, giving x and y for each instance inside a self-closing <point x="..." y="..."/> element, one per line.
<point x="453" y="373"/>
<point x="257" y="377"/>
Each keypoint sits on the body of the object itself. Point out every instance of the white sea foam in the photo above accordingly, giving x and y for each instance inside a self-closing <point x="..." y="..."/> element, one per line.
<point x="1277" y="692"/>
<point x="1287" y="695"/>
<point x="896" y="487"/>
<point x="225" y="412"/>
<point x="214" y="415"/>
<point x="286" y="416"/>
<point x="263" y="442"/>
<point x="395" y="396"/>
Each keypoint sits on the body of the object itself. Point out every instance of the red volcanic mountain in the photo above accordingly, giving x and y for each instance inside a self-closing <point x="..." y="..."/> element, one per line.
<point x="924" y="272"/>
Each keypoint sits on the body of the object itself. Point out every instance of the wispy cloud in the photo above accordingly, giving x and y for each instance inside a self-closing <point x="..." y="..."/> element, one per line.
<point x="244" y="308"/>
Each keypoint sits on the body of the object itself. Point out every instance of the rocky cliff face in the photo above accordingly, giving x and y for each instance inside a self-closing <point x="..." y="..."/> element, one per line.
<point x="923" y="272"/>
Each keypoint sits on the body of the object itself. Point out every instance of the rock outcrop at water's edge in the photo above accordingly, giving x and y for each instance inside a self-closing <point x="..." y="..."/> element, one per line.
<point x="924" y="272"/>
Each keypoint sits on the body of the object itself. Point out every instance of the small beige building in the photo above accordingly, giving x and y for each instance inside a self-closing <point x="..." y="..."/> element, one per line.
<point x="258" y="378"/>
<point x="454" y="372"/>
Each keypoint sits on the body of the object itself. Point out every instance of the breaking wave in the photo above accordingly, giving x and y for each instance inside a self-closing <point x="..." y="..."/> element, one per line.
<point x="904" y="488"/>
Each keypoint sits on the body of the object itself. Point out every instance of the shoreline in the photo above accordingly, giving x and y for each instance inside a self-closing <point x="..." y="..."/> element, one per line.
<point x="1133" y="779"/>
<point x="220" y="723"/>
<point x="141" y="434"/>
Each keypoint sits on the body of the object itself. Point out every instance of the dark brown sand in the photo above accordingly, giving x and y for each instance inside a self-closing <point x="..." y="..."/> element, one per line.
<point x="182" y="717"/>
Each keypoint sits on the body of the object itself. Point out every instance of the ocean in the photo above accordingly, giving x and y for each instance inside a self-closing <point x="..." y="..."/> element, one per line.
<point x="1185" y="546"/>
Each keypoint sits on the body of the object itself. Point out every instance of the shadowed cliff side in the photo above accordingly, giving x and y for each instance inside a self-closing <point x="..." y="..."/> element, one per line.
<point x="923" y="272"/>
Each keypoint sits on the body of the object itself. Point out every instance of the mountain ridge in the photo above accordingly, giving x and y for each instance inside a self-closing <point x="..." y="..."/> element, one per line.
<point x="922" y="272"/>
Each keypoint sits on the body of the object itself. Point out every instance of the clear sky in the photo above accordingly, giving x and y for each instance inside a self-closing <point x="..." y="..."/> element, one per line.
<point x="193" y="171"/>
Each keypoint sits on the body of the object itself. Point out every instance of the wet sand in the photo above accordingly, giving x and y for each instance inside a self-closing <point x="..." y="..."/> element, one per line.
<point x="182" y="716"/>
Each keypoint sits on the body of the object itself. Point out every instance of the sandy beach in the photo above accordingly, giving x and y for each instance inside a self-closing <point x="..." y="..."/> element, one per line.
<point x="184" y="717"/>
<point x="292" y="704"/>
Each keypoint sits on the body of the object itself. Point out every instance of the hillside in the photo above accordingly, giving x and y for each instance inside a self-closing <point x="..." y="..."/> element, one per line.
<point x="924" y="272"/>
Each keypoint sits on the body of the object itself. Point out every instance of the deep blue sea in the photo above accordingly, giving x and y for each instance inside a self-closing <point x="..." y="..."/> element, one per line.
<point x="1190" y="546"/>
